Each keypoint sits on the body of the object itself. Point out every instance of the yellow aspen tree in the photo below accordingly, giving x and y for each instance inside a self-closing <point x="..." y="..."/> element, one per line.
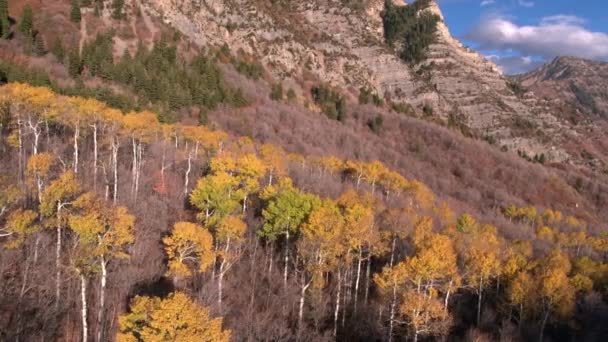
<point x="189" y="247"/>
<point x="359" y="230"/>
<point x="422" y="196"/>
<point x="424" y="313"/>
<point x="393" y="183"/>
<point x="141" y="127"/>
<point x="554" y="288"/>
<point x="275" y="159"/>
<point x="250" y="170"/>
<point x="520" y="292"/>
<point x="55" y="198"/>
<point x="355" y="169"/>
<point x="38" y="167"/>
<point x="107" y="231"/>
<point x="373" y="172"/>
<point x="19" y="226"/>
<point x="9" y="196"/>
<point x="113" y="126"/>
<point x="390" y="282"/>
<point x="175" y="318"/>
<point x="481" y="257"/>
<point x="319" y="247"/>
<point x="229" y="236"/>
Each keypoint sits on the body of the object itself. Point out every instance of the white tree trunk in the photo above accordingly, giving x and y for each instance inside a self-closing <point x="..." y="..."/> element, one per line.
<point x="479" y="300"/>
<point x="95" y="155"/>
<point x="286" y="258"/>
<point x="220" y="280"/>
<point x="83" y="298"/>
<point x="102" y="299"/>
<point x="134" y="167"/>
<point x="357" y="280"/>
<point x="58" y="265"/>
<point x="337" y="310"/>
<point x="392" y="314"/>
<point x="367" y="276"/>
<point x="76" y="134"/>
<point x="115" y="167"/>
<point x="187" y="177"/>
<point x="302" y="299"/>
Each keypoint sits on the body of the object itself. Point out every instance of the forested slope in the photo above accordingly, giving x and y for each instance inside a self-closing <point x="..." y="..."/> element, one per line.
<point x="114" y="224"/>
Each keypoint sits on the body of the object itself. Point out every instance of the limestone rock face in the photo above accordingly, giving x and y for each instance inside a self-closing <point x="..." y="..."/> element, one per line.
<point x="341" y="42"/>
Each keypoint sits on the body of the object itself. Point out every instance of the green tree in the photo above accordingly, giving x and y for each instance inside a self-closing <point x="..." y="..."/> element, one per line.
<point x="5" y="24"/>
<point x="286" y="210"/>
<point x="276" y="93"/>
<point x="58" y="50"/>
<point x="75" y="15"/>
<point x="26" y="24"/>
<point x="74" y="63"/>
<point x="117" y="9"/>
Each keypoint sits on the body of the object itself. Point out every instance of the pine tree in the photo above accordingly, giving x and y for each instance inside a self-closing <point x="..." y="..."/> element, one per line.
<point x="26" y="25"/>
<point x="58" y="50"/>
<point x="75" y="15"/>
<point x="75" y="63"/>
<point x="4" y="23"/>
<point x="117" y="6"/>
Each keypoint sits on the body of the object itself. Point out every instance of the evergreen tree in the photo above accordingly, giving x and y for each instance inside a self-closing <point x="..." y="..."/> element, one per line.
<point x="117" y="6"/>
<point x="38" y="42"/>
<point x="58" y="50"/>
<point x="26" y="25"/>
<point x="75" y="15"/>
<point x="75" y="63"/>
<point x="4" y="23"/>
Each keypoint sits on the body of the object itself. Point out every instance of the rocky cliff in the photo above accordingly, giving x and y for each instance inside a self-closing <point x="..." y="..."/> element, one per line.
<point x="341" y="42"/>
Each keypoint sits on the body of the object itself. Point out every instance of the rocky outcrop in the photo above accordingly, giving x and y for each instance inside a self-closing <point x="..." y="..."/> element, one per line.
<point x="342" y="44"/>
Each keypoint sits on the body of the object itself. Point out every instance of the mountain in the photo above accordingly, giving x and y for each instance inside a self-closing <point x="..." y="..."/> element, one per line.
<point x="577" y="82"/>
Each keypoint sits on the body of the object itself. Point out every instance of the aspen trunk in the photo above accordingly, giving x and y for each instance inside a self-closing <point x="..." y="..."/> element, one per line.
<point x="95" y="155"/>
<point x="337" y="310"/>
<point x="357" y="280"/>
<point x="220" y="281"/>
<point x="187" y="176"/>
<point x="115" y="166"/>
<point x="76" y="134"/>
<point x="392" y="313"/>
<point x="20" y="149"/>
<point x="83" y="298"/>
<point x="25" y="275"/>
<point x="102" y="299"/>
<point x="301" y="306"/>
<point x="447" y="296"/>
<point x="543" y="324"/>
<point x="367" y="276"/>
<point x="134" y="166"/>
<point x="286" y="258"/>
<point x="58" y="264"/>
<point x="479" y="300"/>
<point x="393" y="251"/>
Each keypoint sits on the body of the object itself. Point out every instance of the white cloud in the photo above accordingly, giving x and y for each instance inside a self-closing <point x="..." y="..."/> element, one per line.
<point x="553" y="36"/>
<point x="562" y="19"/>
<point x="512" y="65"/>
<point x="525" y="3"/>
<point x="487" y="3"/>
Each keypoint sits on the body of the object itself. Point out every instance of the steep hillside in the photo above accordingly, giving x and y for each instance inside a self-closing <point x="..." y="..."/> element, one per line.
<point x="343" y="43"/>
<point x="580" y="83"/>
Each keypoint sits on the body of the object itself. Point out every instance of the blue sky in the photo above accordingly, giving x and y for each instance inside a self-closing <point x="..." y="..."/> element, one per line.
<point x="518" y="35"/>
